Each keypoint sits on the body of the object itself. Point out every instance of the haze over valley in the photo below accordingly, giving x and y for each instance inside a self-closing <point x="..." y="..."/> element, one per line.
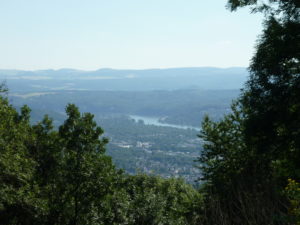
<point x="152" y="117"/>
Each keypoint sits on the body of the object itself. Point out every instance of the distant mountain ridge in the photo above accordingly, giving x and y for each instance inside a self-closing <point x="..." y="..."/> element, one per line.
<point x="133" y="80"/>
<point x="8" y="74"/>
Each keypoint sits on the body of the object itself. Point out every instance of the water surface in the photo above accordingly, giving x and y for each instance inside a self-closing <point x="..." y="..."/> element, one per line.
<point x="155" y="121"/>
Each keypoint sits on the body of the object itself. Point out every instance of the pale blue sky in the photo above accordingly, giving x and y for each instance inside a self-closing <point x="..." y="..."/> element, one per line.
<point x="93" y="34"/>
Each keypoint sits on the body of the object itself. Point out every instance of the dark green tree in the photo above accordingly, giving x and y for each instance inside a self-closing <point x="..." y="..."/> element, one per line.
<point x="249" y="154"/>
<point x="271" y="96"/>
<point x="56" y="177"/>
<point x="71" y="170"/>
<point x="154" y="200"/>
<point x="19" y="199"/>
<point x="85" y="176"/>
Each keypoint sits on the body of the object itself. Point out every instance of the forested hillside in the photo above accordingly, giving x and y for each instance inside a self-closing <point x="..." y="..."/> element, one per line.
<point x="183" y="107"/>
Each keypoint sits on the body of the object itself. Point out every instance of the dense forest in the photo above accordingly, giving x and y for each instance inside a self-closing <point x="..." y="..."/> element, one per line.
<point x="249" y="165"/>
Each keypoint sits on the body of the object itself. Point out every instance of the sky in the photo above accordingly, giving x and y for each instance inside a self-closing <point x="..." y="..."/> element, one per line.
<point x="124" y="34"/>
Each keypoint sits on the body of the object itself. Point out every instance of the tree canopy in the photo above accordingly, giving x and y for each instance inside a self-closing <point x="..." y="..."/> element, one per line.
<point x="251" y="153"/>
<point x="58" y="177"/>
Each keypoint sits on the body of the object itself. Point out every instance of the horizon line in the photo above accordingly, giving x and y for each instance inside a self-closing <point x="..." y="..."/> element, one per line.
<point x="109" y="68"/>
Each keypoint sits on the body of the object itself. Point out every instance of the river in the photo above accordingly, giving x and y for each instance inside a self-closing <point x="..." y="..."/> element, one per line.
<point x="155" y="121"/>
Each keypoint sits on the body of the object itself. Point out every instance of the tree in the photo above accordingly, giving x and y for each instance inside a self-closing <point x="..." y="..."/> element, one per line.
<point x="224" y="145"/>
<point x="83" y="176"/>
<point x="154" y="200"/>
<point x="55" y="177"/>
<point x="254" y="153"/>
<point x="271" y="96"/>
<point x="19" y="199"/>
<point x="274" y="80"/>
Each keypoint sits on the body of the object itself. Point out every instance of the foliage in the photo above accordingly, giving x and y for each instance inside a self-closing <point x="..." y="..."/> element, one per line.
<point x="224" y="143"/>
<point x="82" y="175"/>
<point x="288" y="8"/>
<point x="19" y="199"/>
<point x="292" y="190"/>
<point x="161" y="201"/>
<point x="63" y="176"/>
<point x="236" y="187"/>
<point x="250" y="153"/>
